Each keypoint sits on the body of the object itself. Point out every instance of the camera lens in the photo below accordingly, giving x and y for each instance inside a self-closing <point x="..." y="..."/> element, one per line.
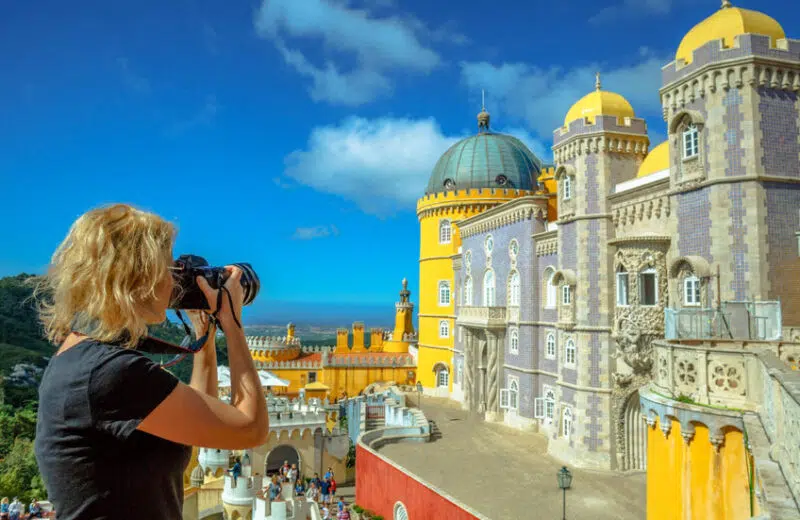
<point x="250" y="283"/>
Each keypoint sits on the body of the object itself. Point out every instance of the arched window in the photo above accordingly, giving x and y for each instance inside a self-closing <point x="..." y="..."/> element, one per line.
<point x="648" y="287"/>
<point x="400" y="512"/>
<point x="445" y="231"/>
<point x="567" y="427"/>
<point x="513" y="394"/>
<point x="513" y="248"/>
<point x="442" y="378"/>
<point x="468" y="291"/>
<point x="444" y="293"/>
<point x="691" y="290"/>
<point x="622" y="286"/>
<point x="513" y="345"/>
<point x="569" y="353"/>
<point x="444" y="329"/>
<point x="550" y="288"/>
<point x="566" y="186"/>
<point x="549" y="405"/>
<point x="550" y="346"/>
<point x="514" y="290"/>
<point x="691" y="142"/>
<point x="488" y="289"/>
<point x="489" y="245"/>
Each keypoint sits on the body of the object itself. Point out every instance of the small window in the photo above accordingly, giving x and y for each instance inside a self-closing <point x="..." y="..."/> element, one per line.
<point x="549" y="405"/>
<point x="468" y="292"/>
<point x="691" y="290"/>
<point x="444" y="329"/>
<point x="489" y="244"/>
<point x="648" y="287"/>
<point x="443" y="378"/>
<point x="513" y="248"/>
<point x="488" y="289"/>
<point x="622" y="287"/>
<point x="691" y="145"/>
<point x="567" y="427"/>
<point x="513" y="395"/>
<point x="566" y="294"/>
<point x="514" y="292"/>
<point x="550" y="346"/>
<point x="468" y="258"/>
<point x="444" y="293"/>
<point x="312" y="377"/>
<point x="514" y="342"/>
<point x="551" y="289"/>
<point x="569" y="353"/>
<point x="445" y="231"/>
<point x="567" y="187"/>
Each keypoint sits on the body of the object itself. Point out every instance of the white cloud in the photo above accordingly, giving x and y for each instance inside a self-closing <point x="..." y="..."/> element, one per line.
<point x="372" y="46"/>
<point x="540" y="98"/>
<point x="630" y="9"/>
<point x="310" y="233"/>
<point x="382" y="165"/>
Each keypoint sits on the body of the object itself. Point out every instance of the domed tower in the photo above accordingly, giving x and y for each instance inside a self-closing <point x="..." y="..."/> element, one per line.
<point x="475" y="174"/>
<point x="730" y="101"/>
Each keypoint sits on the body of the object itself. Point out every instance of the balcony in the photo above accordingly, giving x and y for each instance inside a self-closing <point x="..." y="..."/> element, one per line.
<point x="482" y="317"/>
<point x="734" y="320"/>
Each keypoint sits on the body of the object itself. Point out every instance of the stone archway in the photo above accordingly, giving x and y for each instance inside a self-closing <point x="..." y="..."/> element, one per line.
<point x="635" y="435"/>
<point x="279" y="454"/>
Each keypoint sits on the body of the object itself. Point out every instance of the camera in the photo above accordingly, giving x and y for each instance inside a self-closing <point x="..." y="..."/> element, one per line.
<point x="187" y="294"/>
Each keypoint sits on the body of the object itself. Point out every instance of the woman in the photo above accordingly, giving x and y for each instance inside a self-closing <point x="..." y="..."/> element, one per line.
<point x="4" y="508"/>
<point x="115" y="430"/>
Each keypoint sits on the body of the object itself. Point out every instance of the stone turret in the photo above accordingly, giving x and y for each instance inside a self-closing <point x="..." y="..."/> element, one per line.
<point x="358" y="337"/>
<point x="403" y="324"/>
<point x="342" y="338"/>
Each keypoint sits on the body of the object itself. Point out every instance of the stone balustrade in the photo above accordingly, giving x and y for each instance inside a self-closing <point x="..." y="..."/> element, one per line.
<point x="715" y="372"/>
<point x="367" y="360"/>
<point x="256" y="342"/>
<point x="491" y="317"/>
<point x="212" y="459"/>
<point x="268" y="365"/>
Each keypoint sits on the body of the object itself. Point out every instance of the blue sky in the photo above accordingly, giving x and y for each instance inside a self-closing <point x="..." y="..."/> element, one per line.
<point x="296" y="134"/>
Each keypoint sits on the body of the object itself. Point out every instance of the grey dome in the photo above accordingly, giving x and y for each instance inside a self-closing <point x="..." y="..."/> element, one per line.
<point x="486" y="160"/>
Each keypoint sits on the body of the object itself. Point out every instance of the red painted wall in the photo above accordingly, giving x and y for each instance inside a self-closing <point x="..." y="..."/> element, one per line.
<point x="379" y="486"/>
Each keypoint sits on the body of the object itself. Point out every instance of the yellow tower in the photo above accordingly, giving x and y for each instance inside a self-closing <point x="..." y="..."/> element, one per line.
<point x="376" y="340"/>
<point x="290" y="331"/>
<point x="358" y="338"/>
<point x="342" y="337"/>
<point x="403" y="323"/>
<point x="475" y="174"/>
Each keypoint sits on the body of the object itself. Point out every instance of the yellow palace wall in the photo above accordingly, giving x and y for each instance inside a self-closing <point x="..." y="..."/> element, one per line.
<point x="345" y="379"/>
<point x="694" y="481"/>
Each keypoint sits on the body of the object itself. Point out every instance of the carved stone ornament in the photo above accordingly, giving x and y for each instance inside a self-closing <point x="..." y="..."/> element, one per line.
<point x="635" y="348"/>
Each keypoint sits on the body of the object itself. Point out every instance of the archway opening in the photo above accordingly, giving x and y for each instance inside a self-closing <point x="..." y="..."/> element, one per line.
<point x="280" y="454"/>
<point x="635" y="434"/>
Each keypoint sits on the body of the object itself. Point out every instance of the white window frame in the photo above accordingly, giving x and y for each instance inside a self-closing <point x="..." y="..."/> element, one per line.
<point x="511" y="245"/>
<point x="443" y="378"/>
<point x="504" y="399"/>
<point x="567" y="422"/>
<point x="513" y="393"/>
<point x="691" y="291"/>
<point x="400" y="512"/>
<point x="691" y="142"/>
<point x="538" y="408"/>
<point x="489" y="289"/>
<point x="648" y="271"/>
<point x="623" y="287"/>
<point x="488" y="245"/>
<point x="566" y="294"/>
<point x="468" y="258"/>
<point x="566" y="185"/>
<point x="444" y="285"/>
<point x="515" y="289"/>
<point x="513" y="341"/>
<point x="544" y="407"/>
<point x="468" y="286"/>
<point x="445" y="231"/>
<point x="550" y="346"/>
<point x="570" y="353"/>
<point x="551" y="290"/>
<point x="444" y="329"/>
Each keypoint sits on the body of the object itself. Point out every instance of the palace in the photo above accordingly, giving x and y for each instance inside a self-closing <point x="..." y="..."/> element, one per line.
<point x="635" y="303"/>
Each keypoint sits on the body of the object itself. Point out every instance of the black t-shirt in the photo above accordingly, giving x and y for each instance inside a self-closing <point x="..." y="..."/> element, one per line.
<point x="95" y="464"/>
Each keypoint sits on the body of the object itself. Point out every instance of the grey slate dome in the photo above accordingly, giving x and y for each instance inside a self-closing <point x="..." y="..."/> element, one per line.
<point x="485" y="160"/>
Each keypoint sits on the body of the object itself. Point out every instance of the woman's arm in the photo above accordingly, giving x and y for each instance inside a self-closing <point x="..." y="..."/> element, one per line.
<point x="204" y="364"/>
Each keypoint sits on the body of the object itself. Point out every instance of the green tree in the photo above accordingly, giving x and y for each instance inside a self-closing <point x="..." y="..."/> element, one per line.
<point x="19" y="473"/>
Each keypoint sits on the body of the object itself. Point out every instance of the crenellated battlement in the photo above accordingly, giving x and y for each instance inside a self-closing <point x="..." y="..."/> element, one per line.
<point x="607" y="124"/>
<point x="786" y="51"/>
<point x="258" y="342"/>
<point x="470" y="196"/>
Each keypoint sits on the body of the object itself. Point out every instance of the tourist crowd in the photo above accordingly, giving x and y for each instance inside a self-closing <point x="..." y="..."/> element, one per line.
<point x="15" y="510"/>
<point x="320" y="490"/>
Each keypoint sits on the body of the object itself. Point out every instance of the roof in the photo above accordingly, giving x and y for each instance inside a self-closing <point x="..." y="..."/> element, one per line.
<point x="597" y="103"/>
<point x="317" y="386"/>
<point x="657" y="160"/>
<point x="485" y="160"/>
<point x="725" y="24"/>
<point x="267" y="378"/>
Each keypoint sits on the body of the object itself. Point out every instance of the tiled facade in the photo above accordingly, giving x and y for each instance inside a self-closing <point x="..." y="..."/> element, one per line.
<point x="735" y="206"/>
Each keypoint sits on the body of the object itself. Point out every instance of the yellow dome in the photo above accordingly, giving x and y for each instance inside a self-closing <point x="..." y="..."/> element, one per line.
<point x="599" y="102"/>
<point x="725" y="24"/>
<point x="656" y="161"/>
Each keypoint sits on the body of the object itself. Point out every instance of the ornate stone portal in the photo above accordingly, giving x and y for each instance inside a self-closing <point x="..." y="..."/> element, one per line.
<point x="483" y="353"/>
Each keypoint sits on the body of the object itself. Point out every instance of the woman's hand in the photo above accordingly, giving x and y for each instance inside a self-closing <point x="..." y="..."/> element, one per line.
<point x="227" y="316"/>
<point x="199" y="320"/>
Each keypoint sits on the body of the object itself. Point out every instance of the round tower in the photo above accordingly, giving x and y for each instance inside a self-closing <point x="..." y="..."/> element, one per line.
<point x="475" y="174"/>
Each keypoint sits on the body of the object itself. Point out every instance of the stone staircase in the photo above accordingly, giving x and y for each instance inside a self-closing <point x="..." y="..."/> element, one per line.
<point x="436" y="433"/>
<point x="373" y="424"/>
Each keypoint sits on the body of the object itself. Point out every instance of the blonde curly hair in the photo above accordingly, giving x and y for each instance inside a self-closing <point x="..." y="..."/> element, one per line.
<point x="108" y="267"/>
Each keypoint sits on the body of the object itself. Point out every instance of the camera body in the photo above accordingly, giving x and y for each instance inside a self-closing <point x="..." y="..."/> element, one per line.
<point x="187" y="294"/>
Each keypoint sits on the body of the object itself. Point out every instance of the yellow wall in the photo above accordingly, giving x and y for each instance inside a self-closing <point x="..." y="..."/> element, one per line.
<point x="695" y="482"/>
<point x="436" y="265"/>
<point x="339" y="379"/>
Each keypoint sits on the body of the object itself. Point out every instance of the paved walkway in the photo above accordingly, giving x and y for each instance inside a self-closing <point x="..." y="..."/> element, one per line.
<point x="507" y="475"/>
